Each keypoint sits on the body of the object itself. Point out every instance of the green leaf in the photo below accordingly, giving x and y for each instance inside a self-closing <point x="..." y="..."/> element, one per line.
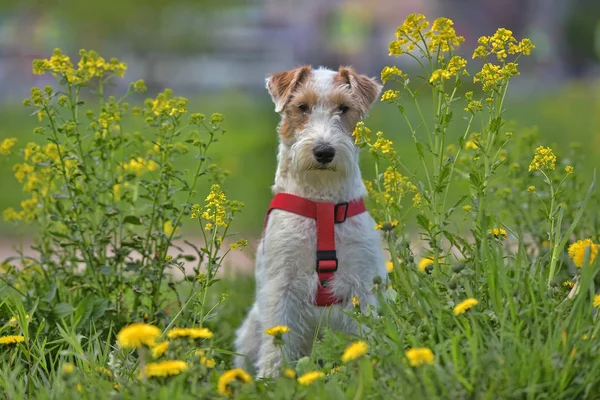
<point x="62" y="310"/>
<point x="132" y="219"/>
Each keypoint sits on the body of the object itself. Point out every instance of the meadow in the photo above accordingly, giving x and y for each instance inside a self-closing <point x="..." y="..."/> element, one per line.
<point x="485" y="201"/>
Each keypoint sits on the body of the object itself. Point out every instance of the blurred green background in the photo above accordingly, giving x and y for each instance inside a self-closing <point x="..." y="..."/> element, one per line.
<point x="217" y="53"/>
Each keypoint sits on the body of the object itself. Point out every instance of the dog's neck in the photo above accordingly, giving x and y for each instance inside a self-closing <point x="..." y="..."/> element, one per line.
<point x="317" y="185"/>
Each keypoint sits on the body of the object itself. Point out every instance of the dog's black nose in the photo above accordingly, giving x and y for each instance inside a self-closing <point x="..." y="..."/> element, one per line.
<point x="324" y="153"/>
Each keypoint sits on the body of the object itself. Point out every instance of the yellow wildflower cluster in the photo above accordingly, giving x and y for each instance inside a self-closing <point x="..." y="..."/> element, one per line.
<point x="11" y="339"/>
<point x="354" y="351"/>
<point x="215" y="209"/>
<point x="165" y="368"/>
<point x="240" y="244"/>
<point x="420" y="355"/>
<point x="7" y="145"/>
<point x="441" y="38"/>
<point x="543" y="158"/>
<point x="394" y="183"/>
<point x="165" y="104"/>
<point x="207" y="362"/>
<point x="361" y="133"/>
<point x="229" y="377"/>
<point x="310" y="377"/>
<point x="569" y="169"/>
<point x="502" y="43"/>
<point x="390" y="71"/>
<point x="160" y="349"/>
<point x="138" y="335"/>
<point x="498" y="233"/>
<point x="491" y="75"/>
<point x="89" y="66"/>
<point x="577" y="251"/>
<point x="192" y="333"/>
<point x="390" y="95"/>
<point x="139" y="166"/>
<point x="465" y="305"/>
<point x="382" y="145"/>
<point x="453" y="68"/>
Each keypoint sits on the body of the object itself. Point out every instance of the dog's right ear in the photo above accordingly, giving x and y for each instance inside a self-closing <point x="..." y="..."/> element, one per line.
<point x="282" y="84"/>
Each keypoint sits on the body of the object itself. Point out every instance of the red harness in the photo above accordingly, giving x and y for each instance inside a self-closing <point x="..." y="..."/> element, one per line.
<point x="326" y="214"/>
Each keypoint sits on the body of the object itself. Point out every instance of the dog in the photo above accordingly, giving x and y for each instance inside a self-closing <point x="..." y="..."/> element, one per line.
<point x="301" y="282"/>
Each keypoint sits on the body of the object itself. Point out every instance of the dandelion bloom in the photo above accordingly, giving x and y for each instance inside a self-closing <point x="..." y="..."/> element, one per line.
<point x="419" y="356"/>
<point x="597" y="300"/>
<point x="465" y="305"/>
<point x="11" y="339"/>
<point x="498" y="233"/>
<point x="160" y="349"/>
<point x="192" y="333"/>
<point x="424" y="263"/>
<point x="277" y="330"/>
<point x="137" y="335"/>
<point x="229" y="377"/>
<point x="389" y="266"/>
<point x="577" y="251"/>
<point x="354" y="351"/>
<point x="310" y="377"/>
<point x="165" y="368"/>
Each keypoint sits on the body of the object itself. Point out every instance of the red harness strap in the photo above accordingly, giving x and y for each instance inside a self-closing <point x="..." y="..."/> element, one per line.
<point x="327" y="215"/>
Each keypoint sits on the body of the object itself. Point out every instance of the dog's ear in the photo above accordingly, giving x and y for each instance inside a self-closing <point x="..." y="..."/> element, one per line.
<point x="365" y="89"/>
<point x="282" y="84"/>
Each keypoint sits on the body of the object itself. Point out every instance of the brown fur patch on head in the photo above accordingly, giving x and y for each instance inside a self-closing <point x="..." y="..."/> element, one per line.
<point x="364" y="89"/>
<point x="294" y="117"/>
<point x="282" y="84"/>
<point x="343" y="95"/>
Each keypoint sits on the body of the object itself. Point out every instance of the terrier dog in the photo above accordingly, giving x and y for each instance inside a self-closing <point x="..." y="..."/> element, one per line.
<point x="320" y="247"/>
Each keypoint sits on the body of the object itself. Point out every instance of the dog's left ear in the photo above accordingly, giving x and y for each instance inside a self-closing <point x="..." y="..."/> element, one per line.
<point x="366" y="90"/>
<point x="282" y="84"/>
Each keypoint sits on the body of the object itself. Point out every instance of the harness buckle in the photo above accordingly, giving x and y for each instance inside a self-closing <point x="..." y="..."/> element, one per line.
<point x="327" y="261"/>
<point x="345" y="209"/>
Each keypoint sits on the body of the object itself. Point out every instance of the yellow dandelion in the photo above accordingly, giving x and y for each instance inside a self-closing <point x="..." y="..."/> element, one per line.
<point x="68" y="368"/>
<point x="11" y="339"/>
<point x="354" y="351"/>
<point x="465" y="305"/>
<point x="289" y="373"/>
<point x="160" y="349"/>
<point x="310" y="377"/>
<point x="498" y="233"/>
<point x="278" y="330"/>
<point x="597" y="300"/>
<point x="137" y="335"/>
<point x="192" y="333"/>
<point x="228" y="377"/>
<point x="577" y="251"/>
<point x="569" y="284"/>
<point x="424" y="263"/>
<point x="389" y="266"/>
<point x="165" y="368"/>
<point x="420" y="355"/>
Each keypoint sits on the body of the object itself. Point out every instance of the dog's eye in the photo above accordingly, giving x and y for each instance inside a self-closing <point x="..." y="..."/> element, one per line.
<point x="303" y="107"/>
<point x="343" y="108"/>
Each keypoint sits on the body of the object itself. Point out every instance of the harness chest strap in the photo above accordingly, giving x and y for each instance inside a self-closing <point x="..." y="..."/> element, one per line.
<point x="326" y="215"/>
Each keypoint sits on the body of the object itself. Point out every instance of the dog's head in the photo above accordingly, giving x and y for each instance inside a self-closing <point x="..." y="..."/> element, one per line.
<point x="320" y="109"/>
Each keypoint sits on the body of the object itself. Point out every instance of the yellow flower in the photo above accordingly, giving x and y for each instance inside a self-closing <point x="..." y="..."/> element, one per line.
<point x="355" y="302"/>
<point x="569" y="169"/>
<point x="543" y="158"/>
<point x="597" y="300"/>
<point x="11" y="339"/>
<point x="387" y="72"/>
<point x="277" y="330"/>
<point x="490" y="75"/>
<point x="160" y="349"/>
<point x="390" y="95"/>
<point x="137" y="335"/>
<point x="168" y="228"/>
<point x="215" y="210"/>
<point x="467" y="208"/>
<point x="361" y="133"/>
<point x="389" y="266"/>
<point x="498" y="233"/>
<point x="165" y="368"/>
<point x="354" y="351"/>
<point x="531" y="188"/>
<point x="207" y="362"/>
<point x="442" y="36"/>
<point x="289" y="373"/>
<point x="424" y="263"/>
<point x="471" y="145"/>
<point x="474" y="106"/>
<point x="408" y="34"/>
<point x="239" y="244"/>
<point x="455" y="65"/>
<point x="386" y="226"/>
<point x="7" y="145"/>
<point x="104" y="371"/>
<point x="382" y="144"/>
<point x="228" y="377"/>
<point x="68" y="368"/>
<point x="13" y="320"/>
<point x="192" y="333"/>
<point x="310" y="377"/>
<point x="420" y="355"/>
<point x="569" y="284"/>
<point x="577" y="251"/>
<point x="465" y="305"/>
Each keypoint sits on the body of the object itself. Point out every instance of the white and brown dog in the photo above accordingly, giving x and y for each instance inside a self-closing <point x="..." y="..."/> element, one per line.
<point x="319" y="247"/>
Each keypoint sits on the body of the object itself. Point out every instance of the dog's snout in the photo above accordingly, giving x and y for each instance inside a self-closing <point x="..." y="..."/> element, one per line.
<point x="323" y="153"/>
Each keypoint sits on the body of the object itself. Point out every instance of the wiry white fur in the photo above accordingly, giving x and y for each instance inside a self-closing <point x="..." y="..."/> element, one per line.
<point x="285" y="266"/>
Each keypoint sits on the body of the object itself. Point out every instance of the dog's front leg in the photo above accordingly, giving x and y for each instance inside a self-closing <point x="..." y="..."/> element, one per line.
<point x="282" y="307"/>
